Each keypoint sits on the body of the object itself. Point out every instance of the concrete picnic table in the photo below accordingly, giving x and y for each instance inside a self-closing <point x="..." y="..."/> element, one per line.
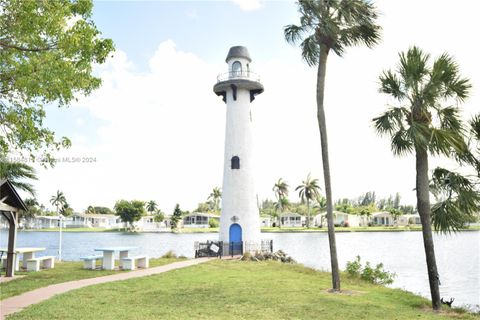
<point x="109" y="255"/>
<point x="28" y="253"/>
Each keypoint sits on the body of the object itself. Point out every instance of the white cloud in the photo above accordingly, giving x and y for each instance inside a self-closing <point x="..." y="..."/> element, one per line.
<point x="162" y="131"/>
<point x="248" y="5"/>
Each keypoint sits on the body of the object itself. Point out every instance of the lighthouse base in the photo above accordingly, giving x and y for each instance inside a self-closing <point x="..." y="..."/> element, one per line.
<point x="220" y="248"/>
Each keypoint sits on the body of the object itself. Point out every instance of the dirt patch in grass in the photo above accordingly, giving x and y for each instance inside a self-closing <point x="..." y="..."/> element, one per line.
<point x="345" y="292"/>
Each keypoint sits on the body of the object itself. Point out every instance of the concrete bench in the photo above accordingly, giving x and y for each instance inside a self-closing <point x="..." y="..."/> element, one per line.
<point x="90" y="262"/>
<point x="46" y="262"/>
<point x="131" y="263"/>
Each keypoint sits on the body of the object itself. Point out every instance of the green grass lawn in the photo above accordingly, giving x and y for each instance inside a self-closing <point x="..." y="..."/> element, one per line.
<point x="232" y="289"/>
<point x="63" y="272"/>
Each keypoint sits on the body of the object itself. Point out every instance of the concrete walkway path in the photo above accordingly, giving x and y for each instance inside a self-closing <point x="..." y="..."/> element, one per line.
<point x="17" y="303"/>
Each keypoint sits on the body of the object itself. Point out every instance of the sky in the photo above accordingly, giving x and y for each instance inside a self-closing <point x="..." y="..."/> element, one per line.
<point x="155" y="129"/>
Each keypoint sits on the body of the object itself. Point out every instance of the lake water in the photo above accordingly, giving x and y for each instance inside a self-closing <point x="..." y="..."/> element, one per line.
<point x="458" y="255"/>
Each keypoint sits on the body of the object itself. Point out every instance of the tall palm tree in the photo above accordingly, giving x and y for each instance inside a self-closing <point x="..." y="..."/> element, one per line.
<point x="152" y="206"/>
<point x="216" y="195"/>
<point x="331" y="25"/>
<point x="420" y="124"/>
<point x="308" y="191"/>
<point x="17" y="173"/>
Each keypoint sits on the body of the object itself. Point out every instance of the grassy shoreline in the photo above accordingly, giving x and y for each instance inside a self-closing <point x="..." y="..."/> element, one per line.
<point x="264" y="230"/>
<point x="232" y="289"/>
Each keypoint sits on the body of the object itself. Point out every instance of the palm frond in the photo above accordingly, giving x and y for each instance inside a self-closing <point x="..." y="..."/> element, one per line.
<point x="401" y="143"/>
<point x="458" y="200"/>
<point x="390" y="121"/>
<point x="413" y="67"/>
<point x="450" y="119"/>
<point x="446" y="142"/>
<point x="337" y="24"/>
<point x="391" y="84"/>
<point x="475" y="127"/>
<point x="17" y="173"/>
<point x="293" y="33"/>
<point x="310" y="51"/>
<point x="419" y="133"/>
<point x="446" y="70"/>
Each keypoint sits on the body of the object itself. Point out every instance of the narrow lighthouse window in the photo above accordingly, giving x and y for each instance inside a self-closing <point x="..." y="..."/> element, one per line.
<point x="235" y="162"/>
<point x="237" y="69"/>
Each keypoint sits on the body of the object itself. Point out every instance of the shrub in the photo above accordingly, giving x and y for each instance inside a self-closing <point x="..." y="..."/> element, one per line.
<point x="262" y="256"/>
<point x="373" y="275"/>
<point x="213" y="223"/>
<point x="354" y="267"/>
<point x="169" y="254"/>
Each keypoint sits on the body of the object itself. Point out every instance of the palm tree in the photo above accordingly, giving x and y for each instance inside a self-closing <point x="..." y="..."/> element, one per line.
<point x="216" y="195"/>
<point x="16" y="172"/>
<point x="422" y="125"/>
<point x="458" y="195"/>
<point x="152" y="206"/>
<point x="281" y="191"/>
<point x="91" y="210"/>
<point x="308" y="191"/>
<point x="58" y="200"/>
<point x="331" y="25"/>
<point x="282" y="204"/>
<point x="320" y="206"/>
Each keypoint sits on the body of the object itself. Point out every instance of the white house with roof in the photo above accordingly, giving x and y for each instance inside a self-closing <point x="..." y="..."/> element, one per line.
<point x="266" y="221"/>
<point x="148" y="223"/>
<point x="409" y="219"/>
<point x="341" y="219"/>
<point x="383" y="218"/>
<point x="292" y="219"/>
<point x="199" y="220"/>
<point x="90" y="220"/>
<point x="45" y="222"/>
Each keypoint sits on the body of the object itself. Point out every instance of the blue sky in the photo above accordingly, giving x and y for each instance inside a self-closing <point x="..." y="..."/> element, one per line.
<point x="156" y="129"/>
<point x="204" y="27"/>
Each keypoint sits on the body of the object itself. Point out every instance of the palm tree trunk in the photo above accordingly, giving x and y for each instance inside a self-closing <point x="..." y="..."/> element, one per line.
<point x="322" y="126"/>
<point x="308" y="213"/>
<point x="423" y="205"/>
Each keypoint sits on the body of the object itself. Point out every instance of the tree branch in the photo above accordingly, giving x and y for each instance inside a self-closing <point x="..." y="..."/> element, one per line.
<point x="7" y="45"/>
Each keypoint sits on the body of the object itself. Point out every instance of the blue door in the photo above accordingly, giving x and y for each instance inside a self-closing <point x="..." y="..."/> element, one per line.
<point x="235" y="239"/>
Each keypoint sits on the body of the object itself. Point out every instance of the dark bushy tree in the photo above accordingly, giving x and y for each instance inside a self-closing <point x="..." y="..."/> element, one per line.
<point x="130" y="211"/>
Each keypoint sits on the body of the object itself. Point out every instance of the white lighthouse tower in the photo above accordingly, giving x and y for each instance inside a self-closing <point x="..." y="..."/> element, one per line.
<point x="240" y="219"/>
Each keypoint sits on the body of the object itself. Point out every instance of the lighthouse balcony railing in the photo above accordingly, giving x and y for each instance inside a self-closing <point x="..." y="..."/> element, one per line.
<point x="233" y="75"/>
